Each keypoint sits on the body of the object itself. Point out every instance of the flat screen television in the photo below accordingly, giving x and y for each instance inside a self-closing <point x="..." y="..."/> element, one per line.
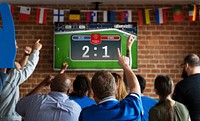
<point x="92" y="46"/>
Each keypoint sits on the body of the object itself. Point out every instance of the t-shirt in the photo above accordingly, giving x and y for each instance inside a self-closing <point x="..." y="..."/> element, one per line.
<point x="83" y="102"/>
<point x="110" y="109"/>
<point x="158" y="113"/>
<point x="187" y="92"/>
<point x="54" y="106"/>
<point x="147" y="103"/>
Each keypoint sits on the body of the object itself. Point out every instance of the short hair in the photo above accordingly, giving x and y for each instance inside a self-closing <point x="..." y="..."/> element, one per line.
<point x="61" y="83"/>
<point x="142" y="82"/>
<point x="81" y="85"/>
<point x="192" y="60"/>
<point x="103" y="84"/>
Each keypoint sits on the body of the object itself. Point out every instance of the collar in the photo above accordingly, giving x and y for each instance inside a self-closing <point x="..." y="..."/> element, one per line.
<point x="58" y="94"/>
<point x="110" y="98"/>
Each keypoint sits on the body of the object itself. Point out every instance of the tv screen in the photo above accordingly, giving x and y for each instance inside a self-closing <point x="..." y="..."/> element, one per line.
<point x="92" y="46"/>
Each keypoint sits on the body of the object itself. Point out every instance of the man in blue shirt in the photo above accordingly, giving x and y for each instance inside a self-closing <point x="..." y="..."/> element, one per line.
<point x="147" y="102"/>
<point x="108" y="108"/>
<point x="54" y="106"/>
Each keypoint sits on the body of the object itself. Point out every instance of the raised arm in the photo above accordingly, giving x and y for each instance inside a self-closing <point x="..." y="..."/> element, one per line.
<point x="27" y="52"/>
<point x="132" y="81"/>
<point x="129" y="44"/>
<point x="46" y="82"/>
<point x="64" y="67"/>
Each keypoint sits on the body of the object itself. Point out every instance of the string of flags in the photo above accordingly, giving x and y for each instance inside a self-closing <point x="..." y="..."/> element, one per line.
<point x="108" y="16"/>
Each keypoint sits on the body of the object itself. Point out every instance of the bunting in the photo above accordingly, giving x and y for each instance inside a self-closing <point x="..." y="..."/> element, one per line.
<point x="24" y="15"/>
<point x="143" y="16"/>
<point x="161" y="16"/>
<point x="192" y="12"/>
<point x="92" y="16"/>
<point x="58" y="15"/>
<point x="108" y="16"/>
<point x="74" y="15"/>
<point x="41" y="15"/>
<point x="126" y="16"/>
<point x="178" y="13"/>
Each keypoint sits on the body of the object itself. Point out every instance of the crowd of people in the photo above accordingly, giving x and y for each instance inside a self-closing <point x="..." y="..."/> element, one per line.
<point x="108" y="96"/>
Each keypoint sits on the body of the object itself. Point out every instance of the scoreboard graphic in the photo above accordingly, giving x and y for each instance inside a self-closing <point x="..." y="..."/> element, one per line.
<point x="92" y="46"/>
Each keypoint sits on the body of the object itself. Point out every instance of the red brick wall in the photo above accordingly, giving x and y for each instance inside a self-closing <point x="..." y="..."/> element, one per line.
<point x="161" y="47"/>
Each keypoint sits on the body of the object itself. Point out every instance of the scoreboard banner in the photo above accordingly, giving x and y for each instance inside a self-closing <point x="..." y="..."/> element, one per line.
<point x="92" y="46"/>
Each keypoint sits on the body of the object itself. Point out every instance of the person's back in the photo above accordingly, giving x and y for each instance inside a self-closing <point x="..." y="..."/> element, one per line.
<point x="54" y="106"/>
<point x="10" y="92"/>
<point x="108" y="107"/>
<point x="161" y="112"/>
<point x="167" y="109"/>
<point x="80" y="86"/>
<point x="147" y="102"/>
<point x="187" y="91"/>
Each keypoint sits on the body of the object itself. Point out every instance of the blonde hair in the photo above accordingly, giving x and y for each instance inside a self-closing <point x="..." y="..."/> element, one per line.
<point x="121" y="89"/>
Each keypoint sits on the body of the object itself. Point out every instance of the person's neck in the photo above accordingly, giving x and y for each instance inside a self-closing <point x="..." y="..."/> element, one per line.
<point x="195" y="70"/>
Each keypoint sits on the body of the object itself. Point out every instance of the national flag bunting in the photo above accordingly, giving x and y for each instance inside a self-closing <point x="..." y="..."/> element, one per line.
<point x="192" y="12"/>
<point x="161" y="16"/>
<point x="41" y="15"/>
<point x="126" y="16"/>
<point x="92" y="16"/>
<point x="178" y="13"/>
<point x="108" y="16"/>
<point x="11" y="9"/>
<point x="58" y="15"/>
<point x="74" y="15"/>
<point x="143" y="16"/>
<point x="24" y="15"/>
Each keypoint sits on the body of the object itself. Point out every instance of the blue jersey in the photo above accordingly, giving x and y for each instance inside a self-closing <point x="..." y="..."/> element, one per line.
<point x="128" y="109"/>
<point x="147" y="103"/>
<point x="83" y="102"/>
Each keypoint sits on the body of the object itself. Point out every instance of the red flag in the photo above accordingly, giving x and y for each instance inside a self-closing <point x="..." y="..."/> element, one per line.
<point x="41" y="15"/>
<point x="24" y="15"/>
<point x="178" y="13"/>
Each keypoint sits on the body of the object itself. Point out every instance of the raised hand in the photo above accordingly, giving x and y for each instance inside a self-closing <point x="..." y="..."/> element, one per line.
<point x="64" y="67"/>
<point x="122" y="60"/>
<point x="38" y="45"/>
<point x="129" y="42"/>
<point x="28" y="50"/>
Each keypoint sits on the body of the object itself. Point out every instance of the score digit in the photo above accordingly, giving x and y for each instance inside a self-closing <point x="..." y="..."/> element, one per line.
<point x="86" y="49"/>
<point x="106" y="52"/>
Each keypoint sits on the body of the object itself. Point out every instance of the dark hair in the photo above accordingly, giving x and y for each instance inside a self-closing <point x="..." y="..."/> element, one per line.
<point x="142" y="82"/>
<point x="61" y="83"/>
<point x="103" y="84"/>
<point x="192" y="60"/>
<point x="164" y="87"/>
<point x="81" y="85"/>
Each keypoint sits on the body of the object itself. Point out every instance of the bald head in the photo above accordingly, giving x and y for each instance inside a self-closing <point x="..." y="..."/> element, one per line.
<point x="61" y="83"/>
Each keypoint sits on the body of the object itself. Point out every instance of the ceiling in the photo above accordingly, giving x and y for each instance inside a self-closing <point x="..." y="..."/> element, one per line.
<point x="105" y="2"/>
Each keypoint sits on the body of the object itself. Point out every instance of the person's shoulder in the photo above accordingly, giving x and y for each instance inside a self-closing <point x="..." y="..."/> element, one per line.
<point x="180" y="105"/>
<point x="91" y="108"/>
<point x="149" y="98"/>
